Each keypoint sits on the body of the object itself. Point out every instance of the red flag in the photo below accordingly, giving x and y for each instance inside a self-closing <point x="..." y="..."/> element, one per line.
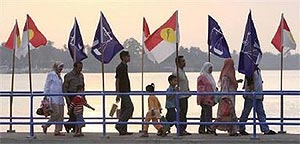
<point x="283" y="39"/>
<point x="146" y="33"/>
<point x="162" y="43"/>
<point x="14" y="38"/>
<point x="31" y="36"/>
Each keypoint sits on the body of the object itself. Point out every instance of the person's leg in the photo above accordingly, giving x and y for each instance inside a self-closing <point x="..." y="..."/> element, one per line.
<point x="171" y="115"/>
<point x="126" y="113"/>
<point x="146" y="126"/>
<point x="60" y="118"/>
<point x="202" y="119"/>
<point x="261" y="115"/>
<point x="72" y="117"/>
<point x="208" y="115"/>
<point x="248" y="103"/>
<point x="157" y="126"/>
<point x="183" y="111"/>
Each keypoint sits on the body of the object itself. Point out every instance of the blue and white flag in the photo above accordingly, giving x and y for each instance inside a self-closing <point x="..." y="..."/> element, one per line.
<point x="250" y="54"/>
<point x="216" y="40"/>
<point x="105" y="41"/>
<point x="75" y="44"/>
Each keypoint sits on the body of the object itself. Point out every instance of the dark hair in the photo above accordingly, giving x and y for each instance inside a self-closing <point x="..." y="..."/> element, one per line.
<point x="76" y="64"/>
<point x="79" y="88"/>
<point x="150" y="88"/>
<point x="177" y="59"/>
<point x="171" y="77"/>
<point x="123" y="53"/>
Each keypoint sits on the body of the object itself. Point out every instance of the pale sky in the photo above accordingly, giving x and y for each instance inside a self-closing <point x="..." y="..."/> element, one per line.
<point x="55" y="18"/>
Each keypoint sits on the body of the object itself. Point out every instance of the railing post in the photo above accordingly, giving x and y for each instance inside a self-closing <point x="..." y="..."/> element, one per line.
<point x="31" y="136"/>
<point x="254" y="116"/>
<point x="104" y="117"/>
<point x="10" y="114"/>
<point x="177" y="114"/>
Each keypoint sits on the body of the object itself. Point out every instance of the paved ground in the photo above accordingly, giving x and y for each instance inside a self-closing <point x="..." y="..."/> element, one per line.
<point x="49" y="138"/>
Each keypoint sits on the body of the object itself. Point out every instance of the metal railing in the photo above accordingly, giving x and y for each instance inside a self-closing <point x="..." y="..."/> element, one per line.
<point x="35" y="94"/>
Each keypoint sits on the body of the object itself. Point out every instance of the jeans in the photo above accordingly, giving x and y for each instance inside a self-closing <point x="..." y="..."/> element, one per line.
<point x="248" y="104"/>
<point x="171" y="115"/>
<point x="125" y="113"/>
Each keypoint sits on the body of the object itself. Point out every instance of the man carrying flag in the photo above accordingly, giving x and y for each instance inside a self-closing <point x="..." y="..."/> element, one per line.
<point x="162" y="43"/>
<point x="250" y="56"/>
<point x="105" y="43"/>
<point x="216" y="40"/>
<point x="75" y="44"/>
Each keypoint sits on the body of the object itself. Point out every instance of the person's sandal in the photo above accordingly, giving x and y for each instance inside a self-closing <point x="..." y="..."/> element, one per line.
<point x="44" y="127"/>
<point x="59" y="134"/>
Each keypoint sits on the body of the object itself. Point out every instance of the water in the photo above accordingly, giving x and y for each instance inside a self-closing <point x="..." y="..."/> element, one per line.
<point x="94" y="82"/>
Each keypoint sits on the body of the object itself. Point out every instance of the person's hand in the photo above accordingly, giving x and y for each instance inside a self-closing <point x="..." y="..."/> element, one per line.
<point x="118" y="98"/>
<point x="239" y="80"/>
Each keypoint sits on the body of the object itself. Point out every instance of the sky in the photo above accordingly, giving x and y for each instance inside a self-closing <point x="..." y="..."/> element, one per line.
<point x="55" y="19"/>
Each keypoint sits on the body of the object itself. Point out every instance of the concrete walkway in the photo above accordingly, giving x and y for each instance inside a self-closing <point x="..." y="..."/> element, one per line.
<point x="49" y="138"/>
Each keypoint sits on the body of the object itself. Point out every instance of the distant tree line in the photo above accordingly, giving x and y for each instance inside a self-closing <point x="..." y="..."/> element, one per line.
<point x="42" y="59"/>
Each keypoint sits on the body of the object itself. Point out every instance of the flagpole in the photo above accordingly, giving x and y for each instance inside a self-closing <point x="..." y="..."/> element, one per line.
<point x="102" y="65"/>
<point x="30" y="82"/>
<point x="74" y="48"/>
<point x="12" y="84"/>
<point x="208" y="54"/>
<point x="142" y="81"/>
<point x="281" y="74"/>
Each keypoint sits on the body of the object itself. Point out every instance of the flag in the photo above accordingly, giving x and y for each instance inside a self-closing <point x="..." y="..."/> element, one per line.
<point x="75" y="44"/>
<point x="31" y="36"/>
<point x="216" y="40"/>
<point x="146" y="34"/>
<point x="162" y="43"/>
<point x="14" y="41"/>
<point x="106" y="41"/>
<point x="250" y="54"/>
<point x="283" y="39"/>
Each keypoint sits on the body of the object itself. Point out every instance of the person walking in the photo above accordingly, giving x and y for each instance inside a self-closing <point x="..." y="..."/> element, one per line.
<point x="123" y="86"/>
<point x="183" y="86"/>
<point x="254" y="84"/>
<point x="206" y="83"/>
<point x="71" y="80"/>
<point x="226" y="108"/>
<point x="53" y="85"/>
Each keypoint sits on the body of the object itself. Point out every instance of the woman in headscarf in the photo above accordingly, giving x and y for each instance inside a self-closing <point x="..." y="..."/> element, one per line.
<point x="206" y="83"/>
<point x="226" y="112"/>
<point x="53" y="85"/>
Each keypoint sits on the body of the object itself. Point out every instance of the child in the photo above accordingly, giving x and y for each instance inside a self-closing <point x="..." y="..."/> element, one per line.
<point x="153" y="113"/>
<point x="170" y="100"/>
<point x="77" y="107"/>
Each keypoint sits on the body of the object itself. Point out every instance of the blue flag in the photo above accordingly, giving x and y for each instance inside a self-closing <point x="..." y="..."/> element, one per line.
<point x="216" y="40"/>
<point x="250" y="54"/>
<point x="75" y="44"/>
<point x="105" y="41"/>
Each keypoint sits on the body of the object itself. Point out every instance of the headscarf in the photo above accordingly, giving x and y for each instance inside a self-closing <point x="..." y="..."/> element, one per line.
<point x="229" y="71"/>
<point x="57" y="65"/>
<point x="204" y="71"/>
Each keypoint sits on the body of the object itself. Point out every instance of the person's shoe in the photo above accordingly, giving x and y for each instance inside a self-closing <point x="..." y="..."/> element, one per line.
<point x="184" y="133"/>
<point x="145" y="134"/>
<point x="243" y="132"/>
<point x="270" y="132"/>
<point x="234" y="134"/>
<point x="59" y="134"/>
<point x="211" y="131"/>
<point x="44" y="129"/>
<point x="122" y="133"/>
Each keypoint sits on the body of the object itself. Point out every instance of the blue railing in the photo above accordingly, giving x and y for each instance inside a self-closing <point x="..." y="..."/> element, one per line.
<point x="139" y="93"/>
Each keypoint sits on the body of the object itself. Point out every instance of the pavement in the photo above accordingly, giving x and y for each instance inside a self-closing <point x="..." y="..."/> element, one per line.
<point x="49" y="138"/>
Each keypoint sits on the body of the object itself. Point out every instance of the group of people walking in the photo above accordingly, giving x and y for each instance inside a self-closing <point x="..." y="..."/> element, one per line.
<point x="178" y="82"/>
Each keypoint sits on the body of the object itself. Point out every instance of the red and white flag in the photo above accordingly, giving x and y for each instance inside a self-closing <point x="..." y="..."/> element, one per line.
<point x="146" y="34"/>
<point x="283" y="39"/>
<point x="14" y="40"/>
<point x="162" y="43"/>
<point x="32" y="37"/>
